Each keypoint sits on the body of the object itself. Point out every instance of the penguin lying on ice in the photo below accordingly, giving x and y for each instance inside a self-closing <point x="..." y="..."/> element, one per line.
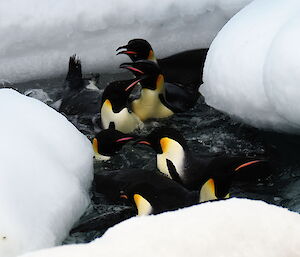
<point x="185" y="68"/>
<point x="158" y="99"/>
<point x="212" y="174"/>
<point x="150" y="192"/>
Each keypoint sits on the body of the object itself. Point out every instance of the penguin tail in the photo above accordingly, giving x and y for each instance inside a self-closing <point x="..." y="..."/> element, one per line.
<point x="74" y="77"/>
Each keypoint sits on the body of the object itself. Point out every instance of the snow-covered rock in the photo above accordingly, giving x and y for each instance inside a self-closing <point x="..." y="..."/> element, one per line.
<point x="252" y="67"/>
<point x="46" y="168"/>
<point x="37" y="37"/>
<point x="230" y="228"/>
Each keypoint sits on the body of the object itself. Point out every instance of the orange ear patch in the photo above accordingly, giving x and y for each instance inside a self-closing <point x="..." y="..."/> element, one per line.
<point x="160" y="82"/>
<point x="107" y="104"/>
<point x="165" y="142"/>
<point x="95" y="145"/>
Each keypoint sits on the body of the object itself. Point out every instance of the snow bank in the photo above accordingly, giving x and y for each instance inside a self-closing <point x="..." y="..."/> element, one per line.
<point x="37" y="37"/>
<point x="45" y="172"/>
<point x="233" y="228"/>
<point x="252" y="67"/>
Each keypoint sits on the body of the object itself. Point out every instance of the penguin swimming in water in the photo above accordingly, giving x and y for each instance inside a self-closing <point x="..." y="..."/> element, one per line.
<point x="77" y="97"/>
<point x="158" y="99"/>
<point x="185" y="68"/>
<point x="109" y="141"/>
<point x="150" y="191"/>
<point x="212" y="175"/>
<point x="115" y="107"/>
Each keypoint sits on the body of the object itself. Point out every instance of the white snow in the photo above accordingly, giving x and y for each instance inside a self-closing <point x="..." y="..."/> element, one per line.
<point x="252" y="68"/>
<point x="37" y="37"/>
<point x="231" y="228"/>
<point x="46" y="169"/>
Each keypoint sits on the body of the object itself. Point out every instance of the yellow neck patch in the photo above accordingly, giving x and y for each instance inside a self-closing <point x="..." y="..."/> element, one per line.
<point x="95" y="145"/>
<point x="160" y="83"/>
<point x="151" y="56"/>
<point x="142" y="205"/>
<point x="207" y="191"/>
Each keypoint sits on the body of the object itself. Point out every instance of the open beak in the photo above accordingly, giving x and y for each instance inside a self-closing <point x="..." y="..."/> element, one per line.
<point x="125" y="51"/>
<point x="128" y="66"/>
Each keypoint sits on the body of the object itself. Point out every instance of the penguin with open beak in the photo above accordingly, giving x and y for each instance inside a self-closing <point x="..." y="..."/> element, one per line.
<point x="109" y="141"/>
<point x="149" y="191"/>
<point x="185" y="68"/>
<point x="158" y="99"/>
<point x="78" y="96"/>
<point x="211" y="175"/>
<point x="115" y="106"/>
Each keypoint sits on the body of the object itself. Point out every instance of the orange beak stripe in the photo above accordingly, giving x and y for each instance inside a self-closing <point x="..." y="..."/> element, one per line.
<point x="124" y="139"/>
<point x="124" y="196"/>
<point x="144" y="142"/>
<point x="135" y="69"/>
<point x="247" y="164"/>
<point x="129" y="52"/>
<point x="132" y="84"/>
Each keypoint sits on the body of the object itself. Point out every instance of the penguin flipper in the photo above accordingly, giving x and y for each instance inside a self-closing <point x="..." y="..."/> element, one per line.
<point x="173" y="173"/>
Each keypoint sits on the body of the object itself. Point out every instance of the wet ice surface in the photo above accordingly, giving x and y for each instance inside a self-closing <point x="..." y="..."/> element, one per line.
<point x="207" y="132"/>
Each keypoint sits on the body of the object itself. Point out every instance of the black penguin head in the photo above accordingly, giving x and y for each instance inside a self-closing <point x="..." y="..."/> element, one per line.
<point x="116" y="94"/>
<point x="147" y="73"/>
<point x="142" y="196"/>
<point x="74" y="77"/>
<point x="137" y="49"/>
<point x="109" y="141"/>
<point x="160" y="139"/>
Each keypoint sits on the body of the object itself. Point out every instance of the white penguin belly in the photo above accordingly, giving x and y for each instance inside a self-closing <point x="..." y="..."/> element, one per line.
<point x="124" y="121"/>
<point x="175" y="154"/>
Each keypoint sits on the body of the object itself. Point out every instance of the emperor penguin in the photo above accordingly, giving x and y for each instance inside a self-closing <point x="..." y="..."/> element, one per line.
<point x="212" y="175"/>
<point x="115" y="107"/>
<point x="109" y="141"/>
<point x="158" y="99"/>
<point x="185" y="68"/>
<point x="149" y="191"/>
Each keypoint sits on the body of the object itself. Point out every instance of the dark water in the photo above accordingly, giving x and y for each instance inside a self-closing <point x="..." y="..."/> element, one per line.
<point x="207" y="131"/>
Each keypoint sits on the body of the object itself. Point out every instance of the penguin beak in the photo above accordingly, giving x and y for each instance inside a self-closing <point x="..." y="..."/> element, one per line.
<point x="247" y="164"/>
<point x="143" y="142"/>
<point x="132" y="84"/>
<point x="129" y="67"/>
<point x="124" y="139"/>
<point x="128" y="52"/>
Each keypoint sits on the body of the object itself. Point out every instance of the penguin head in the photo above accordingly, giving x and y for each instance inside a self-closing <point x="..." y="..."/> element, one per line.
<point x="138" y="49"/>
<point x="161" y="140"/>
<point x="116" y="94"/>
<point x="107" y="142"/>
<point x="74" y="77"/>
<point x="147" y="73"/>
<point x="142" y="196"/>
